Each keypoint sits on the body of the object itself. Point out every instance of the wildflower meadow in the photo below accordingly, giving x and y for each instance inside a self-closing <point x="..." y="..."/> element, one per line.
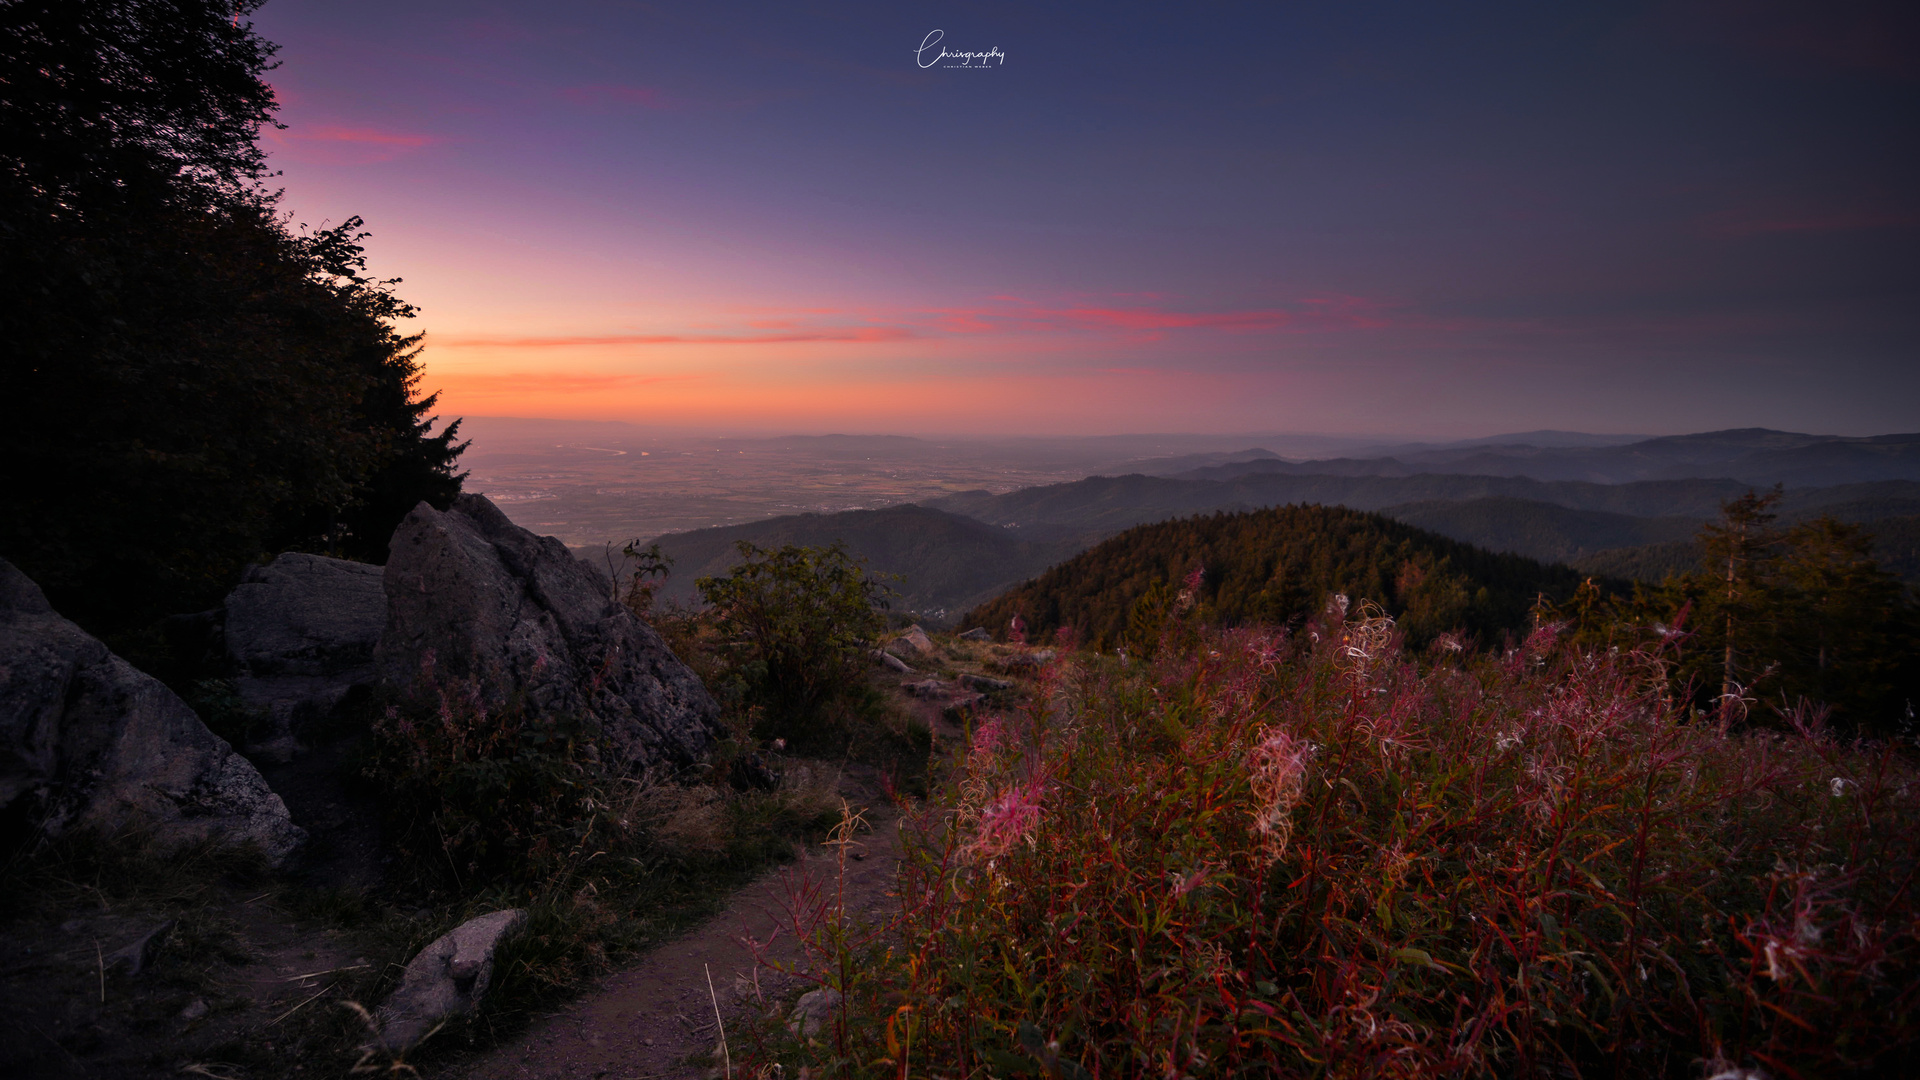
<point x="1313" y="854"/>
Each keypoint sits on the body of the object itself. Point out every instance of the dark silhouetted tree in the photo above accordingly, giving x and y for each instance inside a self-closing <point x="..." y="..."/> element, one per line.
<point x="187" y="383"/>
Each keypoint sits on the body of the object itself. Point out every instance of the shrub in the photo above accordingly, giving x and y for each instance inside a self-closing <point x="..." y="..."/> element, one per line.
<point x="1314" y="856"/>
<point x="491" y="794"/>
<point x="797" y="624"/>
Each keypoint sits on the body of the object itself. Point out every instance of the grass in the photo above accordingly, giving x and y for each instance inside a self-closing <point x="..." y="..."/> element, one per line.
<point x="1318" y="856"/>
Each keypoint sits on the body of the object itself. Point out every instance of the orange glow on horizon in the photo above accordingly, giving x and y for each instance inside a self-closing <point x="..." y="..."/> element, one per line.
<point x="996" y="401"/>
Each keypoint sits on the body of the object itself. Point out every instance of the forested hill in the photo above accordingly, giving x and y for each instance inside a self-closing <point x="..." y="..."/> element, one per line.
<point x="1278" y="566"/>
<point x="1111" y="503"/>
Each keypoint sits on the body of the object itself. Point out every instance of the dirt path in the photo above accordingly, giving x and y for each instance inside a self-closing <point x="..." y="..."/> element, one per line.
<point x="646" y="1021"/>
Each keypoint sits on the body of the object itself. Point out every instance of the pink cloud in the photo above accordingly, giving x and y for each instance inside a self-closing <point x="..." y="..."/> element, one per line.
<point x="337" y="144"/>
<point x="362" y="135"/>
<point x="850" y="334"/>
<point x="1152" y="322"/>
<point x="1008" y="319"/>
<point x="557" y="382"/>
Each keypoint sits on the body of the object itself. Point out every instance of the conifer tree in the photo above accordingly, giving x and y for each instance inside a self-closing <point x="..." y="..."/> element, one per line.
<point x="187" y="383"/>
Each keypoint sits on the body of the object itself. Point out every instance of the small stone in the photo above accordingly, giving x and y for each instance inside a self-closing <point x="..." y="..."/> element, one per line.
<point x="978" y="633"/>
<point x="812" y="1012"/>
<point x="448" y="978"/>
<point x="914" y="641"/>
<point x="195" y="1009"/>
<point x="931" y="689"/>
<point x="138" y="956"/>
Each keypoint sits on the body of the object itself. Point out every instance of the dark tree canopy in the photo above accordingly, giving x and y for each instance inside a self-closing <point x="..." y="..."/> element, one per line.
<point x="188" y="383"/>
<point x="1279" y="566"/>
<point x="1781" y="621"/>
<point x="121" y="97"/>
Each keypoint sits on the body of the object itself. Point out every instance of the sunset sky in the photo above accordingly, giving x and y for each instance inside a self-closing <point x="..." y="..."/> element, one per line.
<point x="1424" y="219"/>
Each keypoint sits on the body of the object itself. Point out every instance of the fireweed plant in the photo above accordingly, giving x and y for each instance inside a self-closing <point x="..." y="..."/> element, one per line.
<point x="1315" y="855"/>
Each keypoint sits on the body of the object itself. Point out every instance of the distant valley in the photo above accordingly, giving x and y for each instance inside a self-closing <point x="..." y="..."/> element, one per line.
<point x="1606" y="505"/>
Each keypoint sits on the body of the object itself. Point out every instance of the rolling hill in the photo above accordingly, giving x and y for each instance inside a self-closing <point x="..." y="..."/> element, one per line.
<point x="943" y="562"/>
<point x="1279" y="566"/>
<point x="1759" y="456"/>
<point x="1103" y="505"/>
<point x="1541" y="530"/>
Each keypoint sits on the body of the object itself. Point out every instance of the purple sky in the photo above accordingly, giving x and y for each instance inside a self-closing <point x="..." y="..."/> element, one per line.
<point x="1424" y="219"/>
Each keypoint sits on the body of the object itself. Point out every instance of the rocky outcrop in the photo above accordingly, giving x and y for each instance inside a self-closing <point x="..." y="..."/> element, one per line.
<point x="912" y="641"/>
<point x="300" y="634"/>
<point x="889" y="660"/>
<point x="447" y="979"/>
<point x="931" y="689"/>
<point x="473" y="598"/>
<point x="88" y="741"/>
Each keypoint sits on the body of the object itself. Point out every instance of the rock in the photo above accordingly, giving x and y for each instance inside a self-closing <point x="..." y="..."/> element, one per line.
<point x="195" y="1009"/>
<point x="887" y="659"/>
<point x="139" y="955"/>
<point x="750" y="772"/>
<point x="95" y="743"/>
<point x="300" y="633"/>
<point x="1025" y="661"/>
<point x="963" y="706"/>
<point x="914" y="641"/>
<point x="978" y="633"/>
<point x="931" y="689"/>
<point x="981" y="682"/>
<point x="473" y="598"/>
<point x="447" y="979"/>
<point x="812" y="1012"/>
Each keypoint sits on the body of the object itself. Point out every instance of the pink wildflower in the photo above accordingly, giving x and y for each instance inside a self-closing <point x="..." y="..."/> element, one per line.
<point x="1277" y="771"/>
<point x="1006" y="821"/>
<point x="986" y="741"/>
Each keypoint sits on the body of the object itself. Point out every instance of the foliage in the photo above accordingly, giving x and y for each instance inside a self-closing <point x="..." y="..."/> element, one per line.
<point x="1539" y="530"/>
<point x="190" y="384"/>
<point x="1778" y="621"/>
<point x="1651" y="563"/>
<point x="647" y="570"/>
<point x="115" y="99"/>
<point x="1309" y="855"/>
<point x="492" y="794"/>
<point x="797" y="623"/>
<point x="1278" y="566"/>
<point x="944" y="562"/>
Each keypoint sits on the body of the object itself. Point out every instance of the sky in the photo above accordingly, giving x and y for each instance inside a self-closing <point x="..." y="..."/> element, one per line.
<point x="1417" y="219"/>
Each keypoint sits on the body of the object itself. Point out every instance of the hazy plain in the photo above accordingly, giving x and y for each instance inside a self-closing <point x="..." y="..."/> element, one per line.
<point x="592" y="483"/>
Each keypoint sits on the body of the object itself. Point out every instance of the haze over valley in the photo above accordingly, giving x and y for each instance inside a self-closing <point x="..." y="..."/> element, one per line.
<point x="956" y="520"/>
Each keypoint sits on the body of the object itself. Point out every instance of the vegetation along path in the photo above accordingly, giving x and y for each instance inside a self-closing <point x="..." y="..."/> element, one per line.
<point x="656" y="1018"/>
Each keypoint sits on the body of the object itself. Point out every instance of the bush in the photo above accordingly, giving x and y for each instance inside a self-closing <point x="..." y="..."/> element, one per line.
<point x="797" y="625"/>
<point x="492" y="796"/>
<point x="1314" y="856"/>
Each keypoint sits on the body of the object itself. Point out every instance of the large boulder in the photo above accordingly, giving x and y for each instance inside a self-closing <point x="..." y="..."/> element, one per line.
<point x="88" y="741"/>
<point x="474" y="599"/>
<point x="300" y="634"/>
